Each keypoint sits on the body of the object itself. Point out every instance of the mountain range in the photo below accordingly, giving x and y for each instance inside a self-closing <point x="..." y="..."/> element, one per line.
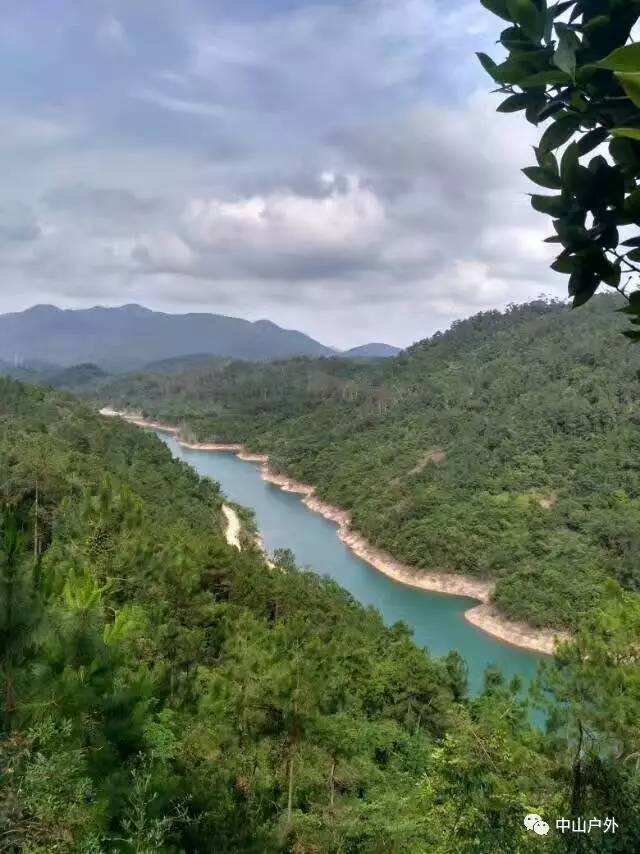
<point x="132" y="337"/>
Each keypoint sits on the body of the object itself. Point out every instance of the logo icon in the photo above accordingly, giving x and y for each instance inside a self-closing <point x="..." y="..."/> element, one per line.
<point x="535" y="822"/>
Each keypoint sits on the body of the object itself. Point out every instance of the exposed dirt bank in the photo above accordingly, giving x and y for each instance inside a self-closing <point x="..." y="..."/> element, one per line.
<point x="232" y="532"/>
<point x="483" y="616"/>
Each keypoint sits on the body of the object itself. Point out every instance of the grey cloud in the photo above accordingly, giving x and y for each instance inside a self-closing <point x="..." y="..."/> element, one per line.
<point x="425" y="208"/>
<point x="101" y="201"/>
<point x="18" y="224"/>
<point x="299" y="164"/>
<point x="36" y="131"/>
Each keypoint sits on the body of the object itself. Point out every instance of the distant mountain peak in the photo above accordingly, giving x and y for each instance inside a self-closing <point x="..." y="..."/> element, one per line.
<point x="136" y="308"/>
<point x="374" y="350"/>
<point x="41" y="308"/>
<point x="129" y="337"/>
<point x="266" y="324"/>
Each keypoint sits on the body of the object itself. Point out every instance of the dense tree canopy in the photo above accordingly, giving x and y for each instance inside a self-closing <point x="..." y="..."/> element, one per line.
<point x="575" y="64"/>
<point x="160" y="691"/>
<point x="163" y="692"/>
<point x="505" y="448"/>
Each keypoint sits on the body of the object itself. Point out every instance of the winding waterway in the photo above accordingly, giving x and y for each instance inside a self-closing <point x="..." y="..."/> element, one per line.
<point x="437" y="620"/>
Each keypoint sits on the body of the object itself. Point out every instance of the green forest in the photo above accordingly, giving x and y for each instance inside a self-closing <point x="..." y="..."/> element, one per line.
<point x="168" y="687"/>
<point x="162" y="692"/>
<point x="505" y="448"/>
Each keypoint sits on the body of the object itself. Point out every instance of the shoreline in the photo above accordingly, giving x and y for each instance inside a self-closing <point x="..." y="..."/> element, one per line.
<point x="483" y="616"/>
<point x="232" y="532"/>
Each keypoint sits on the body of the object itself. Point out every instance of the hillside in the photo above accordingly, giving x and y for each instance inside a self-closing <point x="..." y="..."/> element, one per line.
<point x="130" y="337"/>
<point x="505" y="448"/>
<point x="161" y="691"/>
<point x="148" y="672"/>
<point x="372" y="351"/>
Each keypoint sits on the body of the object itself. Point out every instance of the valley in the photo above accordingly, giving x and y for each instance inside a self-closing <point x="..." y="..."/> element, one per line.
<point x="482" y="616"/>
<point x="479" y="453"/>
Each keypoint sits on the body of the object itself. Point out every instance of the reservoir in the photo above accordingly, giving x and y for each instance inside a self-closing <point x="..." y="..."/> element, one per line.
<point x="437" y="620"/>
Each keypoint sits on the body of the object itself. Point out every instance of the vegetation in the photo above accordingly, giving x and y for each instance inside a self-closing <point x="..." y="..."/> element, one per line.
<point x="504" y="448"/>
<point x="575" y="63"/>
<point x="162" y="692"/>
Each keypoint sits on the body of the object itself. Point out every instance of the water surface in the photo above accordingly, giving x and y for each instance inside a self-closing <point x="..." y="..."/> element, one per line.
<point x="284" y="521"/>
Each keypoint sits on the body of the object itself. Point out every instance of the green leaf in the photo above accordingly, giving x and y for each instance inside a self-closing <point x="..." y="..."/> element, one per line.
<point x="565" y="56"/>
<point x="625" y="153"/>
<point x="583" y="283"/>
<point x="550" y="108"/>
<point x="598" y="164"/>
<point x="598" y="21"/>
<point x="585" y="295"/>
<point x="631" y="85"/>
<point x="488" y="64"/>
<point x="511" y="71"/>
<point x="579" y="103"/>
<point x="565" y="263"/>
<point x="634" y="241"/>
<point x="586" y="73"/>
<point x="632" y="205"/>
<point x="610" y="273"/>
<point x="625" y="59"/>
<point x="552" y="205"/>
<point x="628" y="133"/>
<point x="514" y="103"/>
<point x="592" y="140"/>
<point x="512" y="38"/>
<point x="634" y="255"/>
<point x="535" y="100"/>
<point x="547" y="161"/>
<point x="526" y="14"/>
<point x="545" y="78"/>
<point x="498" y="7"/>
<point x="543" y="178"/>
<point x="577" y="11"/>
<point x="574" y="237"/>
<point x="569" y="166"/>
<point x="559" y="132"/>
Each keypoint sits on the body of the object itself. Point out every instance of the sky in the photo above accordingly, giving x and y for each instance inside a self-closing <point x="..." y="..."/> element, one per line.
<point x="335" y="166"/>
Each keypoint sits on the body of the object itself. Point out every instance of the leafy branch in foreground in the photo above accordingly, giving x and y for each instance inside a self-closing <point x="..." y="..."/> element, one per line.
<point x="574" y="63"/>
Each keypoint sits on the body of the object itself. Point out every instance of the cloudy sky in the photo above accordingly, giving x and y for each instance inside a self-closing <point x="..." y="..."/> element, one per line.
<point x="334" y="165"/>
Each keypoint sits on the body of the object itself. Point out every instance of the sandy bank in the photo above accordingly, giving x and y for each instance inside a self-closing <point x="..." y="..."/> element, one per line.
<point x="483" y="616"/>
<point x="232" y="532"/>
<point x="214" y="446"/>
<point x="135" y="418"/>
<point x="490" y="620"/>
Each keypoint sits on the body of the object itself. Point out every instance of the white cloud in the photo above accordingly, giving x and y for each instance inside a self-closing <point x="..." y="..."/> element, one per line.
<point x="37" y="130"/>
<point x="283" y="222"/>
<point x="327" y="165"/>
<point x="180" y="105"/>
<point x="311" y="55"/>
<point x="112" y="33"/>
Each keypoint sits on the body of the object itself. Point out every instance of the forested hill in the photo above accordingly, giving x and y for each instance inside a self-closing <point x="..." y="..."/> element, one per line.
<point x="507" y="447"/>
<point x="162" y="692"/>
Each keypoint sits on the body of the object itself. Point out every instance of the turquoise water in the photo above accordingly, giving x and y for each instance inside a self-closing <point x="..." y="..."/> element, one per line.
<point x="284" y="521"/>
